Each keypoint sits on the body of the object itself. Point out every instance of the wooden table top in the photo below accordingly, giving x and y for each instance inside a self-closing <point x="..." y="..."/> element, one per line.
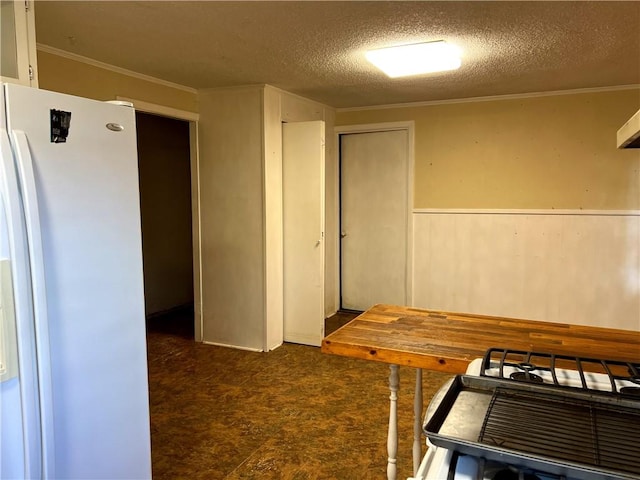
<point x="447" y="341"/>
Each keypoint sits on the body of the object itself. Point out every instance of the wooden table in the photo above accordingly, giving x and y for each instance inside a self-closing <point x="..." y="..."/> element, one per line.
<point x="448" y="342"/>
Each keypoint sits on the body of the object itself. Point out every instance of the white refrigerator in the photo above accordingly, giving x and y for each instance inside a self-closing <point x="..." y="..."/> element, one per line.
<point x="73" y="366"/>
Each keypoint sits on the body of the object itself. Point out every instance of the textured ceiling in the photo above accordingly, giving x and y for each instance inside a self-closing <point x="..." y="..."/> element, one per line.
<point x="315" y="49"/>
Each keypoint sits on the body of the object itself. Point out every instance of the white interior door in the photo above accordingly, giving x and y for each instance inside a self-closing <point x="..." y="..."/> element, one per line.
<point x="374" y="215"/>
<point x="303" y="218"/>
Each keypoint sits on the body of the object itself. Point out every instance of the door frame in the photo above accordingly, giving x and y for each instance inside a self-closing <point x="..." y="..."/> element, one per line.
<point x="26" y="54"/>
<point x="193" y="119"/>
<point x="409" y="127"/>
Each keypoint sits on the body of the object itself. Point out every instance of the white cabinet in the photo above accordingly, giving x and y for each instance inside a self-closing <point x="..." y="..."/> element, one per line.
<point x="18" y="42"/>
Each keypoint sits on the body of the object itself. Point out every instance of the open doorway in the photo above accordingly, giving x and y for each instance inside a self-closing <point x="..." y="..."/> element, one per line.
<point x="165" y="205"/>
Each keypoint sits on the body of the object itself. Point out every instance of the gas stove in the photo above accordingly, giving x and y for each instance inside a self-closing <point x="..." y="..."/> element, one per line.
<point x="538" y="416"/>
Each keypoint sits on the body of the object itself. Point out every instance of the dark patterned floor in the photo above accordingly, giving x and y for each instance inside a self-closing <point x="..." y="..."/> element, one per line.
<point x="293" y="413"/>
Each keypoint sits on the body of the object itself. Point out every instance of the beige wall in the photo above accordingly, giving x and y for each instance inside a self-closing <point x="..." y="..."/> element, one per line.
<point x="558" y="233"/>
<point x="231" y="213"/>
<point x="60" y="74"/>
<point x="551" y="152"/>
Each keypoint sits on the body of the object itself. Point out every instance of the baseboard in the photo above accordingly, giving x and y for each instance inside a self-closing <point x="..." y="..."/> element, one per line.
<point x="326" y="316"/>
<point x="303" y="339"/>
<point x="237" y="347"/>
<point x="185" y="308"/>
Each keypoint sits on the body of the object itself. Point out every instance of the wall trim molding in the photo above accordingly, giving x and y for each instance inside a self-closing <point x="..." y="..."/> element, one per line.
<point x="252" y="86"/>
<point x="161" y="110"/>
<point x="107" y="66"/>
<point x="374" y="127"/>
<point x="483" y="211"/>
<point x="229" y="345"/>
<point x="492" y="98"/>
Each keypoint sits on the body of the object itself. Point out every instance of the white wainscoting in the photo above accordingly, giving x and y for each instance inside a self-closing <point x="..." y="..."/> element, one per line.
<point x="579" y="267"/>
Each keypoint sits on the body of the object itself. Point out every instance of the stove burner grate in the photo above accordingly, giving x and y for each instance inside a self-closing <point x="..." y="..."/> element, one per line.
<point x="566" y="429"/>
<point x="523" y="364"/>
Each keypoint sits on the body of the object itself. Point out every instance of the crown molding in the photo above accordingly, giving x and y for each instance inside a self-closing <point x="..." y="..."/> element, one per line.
<point x="252" y="86"/>
<point x="162" y="110"/>
<point x="123" y="71"/>
<point x="492" y="98"/>
<point x="106" y="66"/>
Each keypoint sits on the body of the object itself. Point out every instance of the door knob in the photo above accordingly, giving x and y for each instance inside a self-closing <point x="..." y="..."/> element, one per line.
<point x="343" y="234"/>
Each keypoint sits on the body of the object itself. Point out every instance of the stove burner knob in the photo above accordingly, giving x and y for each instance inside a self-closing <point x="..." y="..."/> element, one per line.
<point x="514" y="474"/>
<point x="526" y="377"/>
<point x="633" y="391"/>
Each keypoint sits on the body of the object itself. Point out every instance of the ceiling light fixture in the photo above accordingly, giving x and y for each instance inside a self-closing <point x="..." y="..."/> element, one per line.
<point x="416" y="58"/>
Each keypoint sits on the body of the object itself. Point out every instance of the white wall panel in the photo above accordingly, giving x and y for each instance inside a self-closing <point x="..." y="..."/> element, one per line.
<point x="573" y="267"/>
<point x="272" y="152"/>
<point x="232" y="205"/>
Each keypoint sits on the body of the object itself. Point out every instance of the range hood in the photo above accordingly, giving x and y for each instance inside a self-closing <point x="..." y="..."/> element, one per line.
<point x="629" y="133"/>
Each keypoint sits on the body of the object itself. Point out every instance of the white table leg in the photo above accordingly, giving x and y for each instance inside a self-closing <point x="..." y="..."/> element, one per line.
<point x="392" y="436"/>
<point x="417" y="422"/>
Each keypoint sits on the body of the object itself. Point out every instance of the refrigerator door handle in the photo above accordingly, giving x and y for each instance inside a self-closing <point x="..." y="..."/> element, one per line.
<point x="36" y="260"/>
<point x="25" y="338"/>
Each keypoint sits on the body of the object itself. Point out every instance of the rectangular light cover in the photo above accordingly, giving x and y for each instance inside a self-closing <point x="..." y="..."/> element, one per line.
<point x="416" y="58"/>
